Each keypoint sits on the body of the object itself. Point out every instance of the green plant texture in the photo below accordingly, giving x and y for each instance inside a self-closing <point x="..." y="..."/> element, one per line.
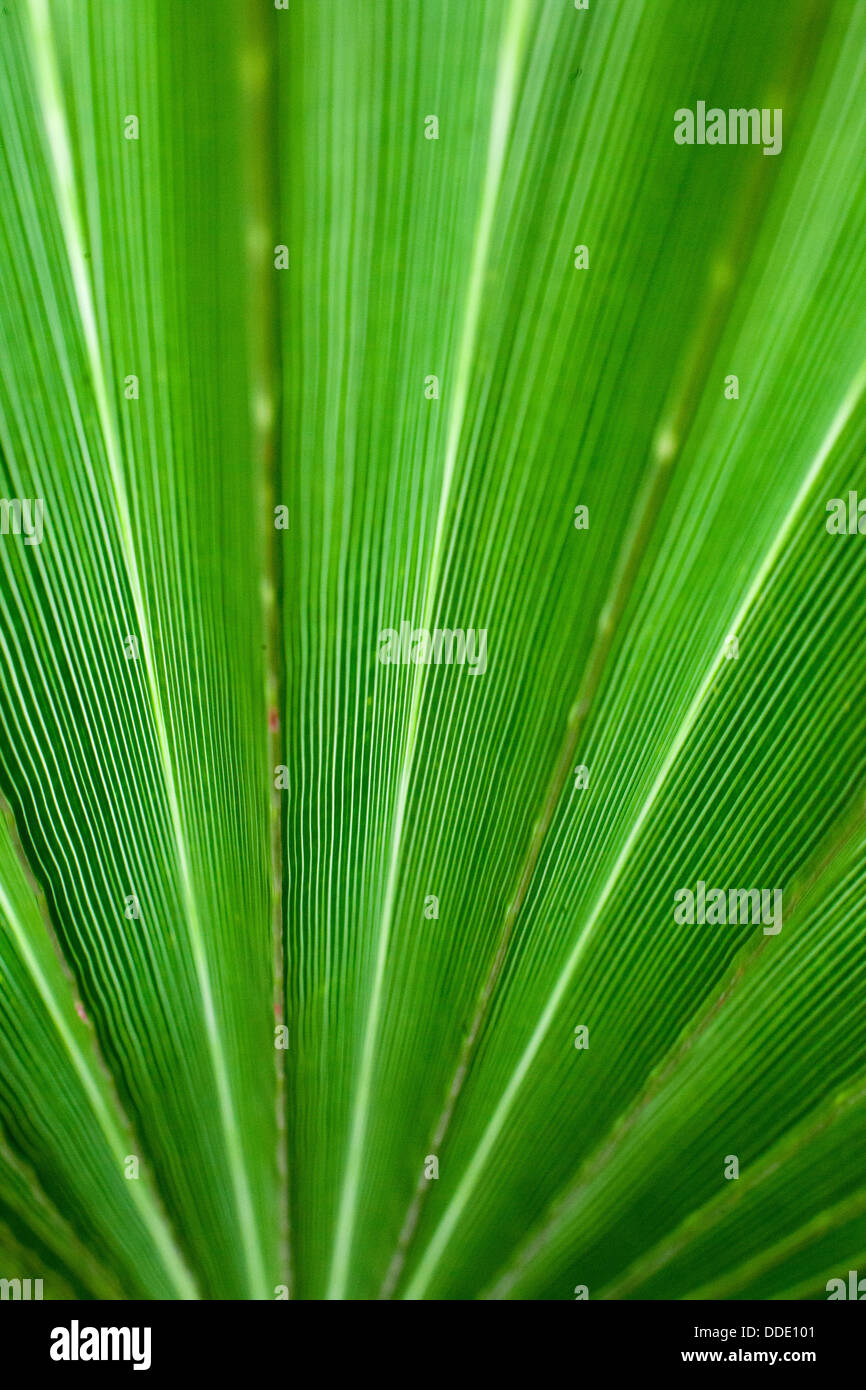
<point x="431" y="556"/>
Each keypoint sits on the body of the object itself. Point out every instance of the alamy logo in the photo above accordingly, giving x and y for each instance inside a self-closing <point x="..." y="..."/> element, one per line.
<point x="856" y="1287"/>
<point x="738" y="126"/>
<point x="19" y="514"/>
<point x="738" y="906"/>
<point x="74" y="1343"/>
<point x="21" y="1289"/>
<point x="441" y="647"/>
<point x="846" y="520"/>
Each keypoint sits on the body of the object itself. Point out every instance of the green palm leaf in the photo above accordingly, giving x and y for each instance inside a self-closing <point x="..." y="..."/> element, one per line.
<point x="298" y="349"/>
